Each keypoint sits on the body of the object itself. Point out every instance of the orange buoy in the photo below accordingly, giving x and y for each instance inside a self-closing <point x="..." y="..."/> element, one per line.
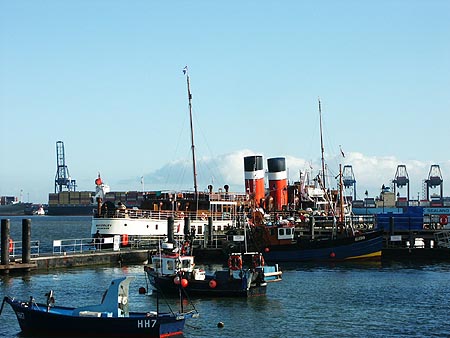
<point x="184" y="283"/>
<point x="124" y="239"/>
<point x="212" y="283"/>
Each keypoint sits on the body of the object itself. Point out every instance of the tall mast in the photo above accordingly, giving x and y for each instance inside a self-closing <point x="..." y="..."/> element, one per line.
<point x="185" y="71"/>
<point x="321" y="147"/>
<point x="341" y="196"/>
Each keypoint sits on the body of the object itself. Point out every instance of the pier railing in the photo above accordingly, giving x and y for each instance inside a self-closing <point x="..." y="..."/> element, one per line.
<point x="16" y="249"/>
<point x="80" y="245"/>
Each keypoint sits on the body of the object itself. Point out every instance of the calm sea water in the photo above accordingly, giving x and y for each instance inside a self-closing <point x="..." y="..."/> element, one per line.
<point x="342" y="300"/>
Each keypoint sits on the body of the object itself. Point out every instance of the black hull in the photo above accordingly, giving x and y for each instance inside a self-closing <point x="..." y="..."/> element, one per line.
<point x="223" y="287"/>
<point x="70" y="210"/>
<point x="365" y="246"/>
<point x="59" y="323"/>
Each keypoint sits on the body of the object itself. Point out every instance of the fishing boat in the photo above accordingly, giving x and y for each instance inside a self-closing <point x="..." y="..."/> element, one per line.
<point x="173" y="272"/>
<point x="110" y="318"/>
<point x="282" y="243"/>
<point x="285" y="231"/>
<point x="193" y="209"/>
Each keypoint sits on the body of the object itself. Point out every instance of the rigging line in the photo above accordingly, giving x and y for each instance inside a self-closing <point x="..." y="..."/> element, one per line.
<point x="177" y="147"/>
<point x="214" y="170"/>
<point x="183" y="165"/>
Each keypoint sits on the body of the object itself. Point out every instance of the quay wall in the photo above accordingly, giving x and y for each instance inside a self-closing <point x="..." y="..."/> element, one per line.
<point x="91" y="259"/>
<point x="85" y="259"/>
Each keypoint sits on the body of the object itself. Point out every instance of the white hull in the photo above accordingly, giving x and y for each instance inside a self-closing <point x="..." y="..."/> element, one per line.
<point x="154" y="225"/>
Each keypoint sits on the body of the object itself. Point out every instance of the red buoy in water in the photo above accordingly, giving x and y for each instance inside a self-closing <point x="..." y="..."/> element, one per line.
<point x="266" y="249"/>
<point x="332" y="255"/>
<point x="184" y="282"/>
<point x="142" y="290"/>
<point x="212" y="283"/>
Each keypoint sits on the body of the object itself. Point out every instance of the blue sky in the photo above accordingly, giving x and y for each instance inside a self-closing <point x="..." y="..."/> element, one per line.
<point x="105" y="77"/>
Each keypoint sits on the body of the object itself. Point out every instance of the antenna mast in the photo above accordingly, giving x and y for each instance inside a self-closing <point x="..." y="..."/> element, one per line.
<point x="321" y="147"/>
<point x="185" y="71"/>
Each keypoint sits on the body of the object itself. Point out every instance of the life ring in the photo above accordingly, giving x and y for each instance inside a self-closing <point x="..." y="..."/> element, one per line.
<point x="235" y="262"/>
<point x="124" y="239"/>
<point x="443" y="219"/>
<point x="258" y="260"/>
<point x="11" y="246"/>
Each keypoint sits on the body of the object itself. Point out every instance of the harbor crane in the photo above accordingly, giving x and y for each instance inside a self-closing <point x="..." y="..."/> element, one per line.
<point x="401" y="179"/>
<point x="348" y="179"/>
<point x="62" y="178"/>
<point x="434" y="180"/>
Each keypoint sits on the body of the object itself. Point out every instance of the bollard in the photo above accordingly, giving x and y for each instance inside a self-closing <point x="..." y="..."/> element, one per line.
<point x="170" y="224"/>
<point x="26" y="240"/>
<point x="5" y="242"/>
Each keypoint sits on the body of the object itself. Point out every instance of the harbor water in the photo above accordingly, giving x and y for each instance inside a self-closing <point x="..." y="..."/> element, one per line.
<point x="388" y="299"/>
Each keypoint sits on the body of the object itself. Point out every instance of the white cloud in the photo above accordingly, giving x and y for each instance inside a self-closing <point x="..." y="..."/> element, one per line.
<point x="371" y="172"/>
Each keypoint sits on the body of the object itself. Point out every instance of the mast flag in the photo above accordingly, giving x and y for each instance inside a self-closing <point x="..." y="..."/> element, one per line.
<point x="342" y="152"/>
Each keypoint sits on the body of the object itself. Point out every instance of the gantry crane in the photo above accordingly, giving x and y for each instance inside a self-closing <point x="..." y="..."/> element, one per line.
<point x="401" y="179"/>
<point x="434" y="180"/>
<point x="62" y="178"/>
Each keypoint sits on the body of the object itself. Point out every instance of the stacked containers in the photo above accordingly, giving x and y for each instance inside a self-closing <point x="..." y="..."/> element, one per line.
<point x="254" y="178"/>
<point x="278" y="181"/>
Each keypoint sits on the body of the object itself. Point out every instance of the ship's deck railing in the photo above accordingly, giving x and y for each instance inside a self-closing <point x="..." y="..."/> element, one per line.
<point x="164" y="214"/>
<point x="366" y="222"/>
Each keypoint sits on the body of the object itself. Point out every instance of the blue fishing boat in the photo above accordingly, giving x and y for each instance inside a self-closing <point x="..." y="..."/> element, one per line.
<point x="110" y="318"/>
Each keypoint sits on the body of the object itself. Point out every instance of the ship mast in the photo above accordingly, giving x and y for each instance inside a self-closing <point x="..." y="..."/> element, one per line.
<point x="341" y="196"/>
<point x="185" y="71"/>
<point x="321" y="147"/>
